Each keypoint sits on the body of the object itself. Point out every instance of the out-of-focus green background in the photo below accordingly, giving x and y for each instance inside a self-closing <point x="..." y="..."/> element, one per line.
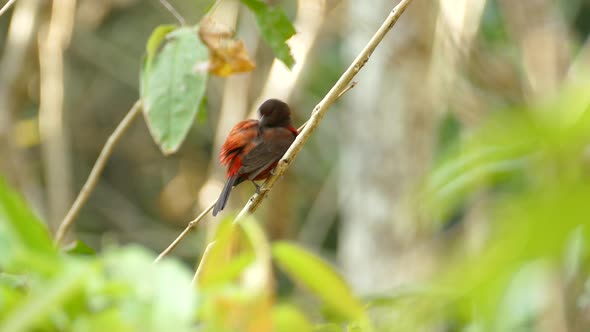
<point x="355" y="193"/>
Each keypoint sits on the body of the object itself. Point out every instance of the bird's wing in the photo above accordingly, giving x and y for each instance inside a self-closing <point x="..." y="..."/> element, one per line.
<point x="242" y="134"/>
<point x="274" y="144"/>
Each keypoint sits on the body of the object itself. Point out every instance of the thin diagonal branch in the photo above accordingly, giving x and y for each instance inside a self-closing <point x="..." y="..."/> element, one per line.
<point x="173" y="11"/>
<point x="184" y="233"/>
<point x="195" y="221"/>
<point x="6" y="6"/>
<point x="321" y="109"/>
<point x="92" y="180"/>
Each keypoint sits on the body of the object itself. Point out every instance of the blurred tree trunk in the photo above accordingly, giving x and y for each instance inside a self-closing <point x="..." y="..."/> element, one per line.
<point x="389" y="132"/>
<point x="539" y="25"/>
<point x="16" y="55"/>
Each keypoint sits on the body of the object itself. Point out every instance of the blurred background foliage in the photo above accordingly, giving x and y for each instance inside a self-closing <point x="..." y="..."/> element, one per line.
<point x="448" y="191"/>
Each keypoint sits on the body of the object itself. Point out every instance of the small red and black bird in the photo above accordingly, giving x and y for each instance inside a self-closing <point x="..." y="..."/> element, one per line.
<point x="254" y="147"/>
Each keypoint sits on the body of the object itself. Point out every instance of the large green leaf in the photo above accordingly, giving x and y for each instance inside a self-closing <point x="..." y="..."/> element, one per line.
<point x="172" y="85"/>
<point x="321" y="279"/>
<point x="275" y="29"/>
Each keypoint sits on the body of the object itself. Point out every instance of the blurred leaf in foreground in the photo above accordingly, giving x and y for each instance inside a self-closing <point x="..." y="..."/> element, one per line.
<point x="160" y="297"/>
<point x="79" y="248"/>
<point x="319" y="278"/>
<point x="22" y="234"/>
<point x="286" y="318"/>
<point x="531" y="225"/>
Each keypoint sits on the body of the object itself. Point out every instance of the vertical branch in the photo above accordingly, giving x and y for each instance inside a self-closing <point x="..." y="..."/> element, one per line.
<point x="17" y="47"/>
<point x="54" y="142"/>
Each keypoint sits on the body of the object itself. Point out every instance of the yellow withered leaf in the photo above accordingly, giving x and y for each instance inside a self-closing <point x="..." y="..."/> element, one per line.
<point x="227" y="55"/>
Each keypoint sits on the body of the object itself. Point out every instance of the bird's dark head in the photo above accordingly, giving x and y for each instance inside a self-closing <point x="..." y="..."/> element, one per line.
<point x="275" y="113"/>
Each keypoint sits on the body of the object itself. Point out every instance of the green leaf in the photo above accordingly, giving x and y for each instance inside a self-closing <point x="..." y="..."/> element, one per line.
<point x="111" y="320"/>
<point x="275" y="29"/>
<point x="215" y="263"/>
<point x="156" y="38"/>
<point x="172" y="88"/>
<point x="287" y="318"/>
<point x="21" y="232"/>
<point x="232" y="269"/>
<point x="79" y="248"/>
<point x="13" y="281"/>
<point x="151" y="49"/>
<point x="329" y="327"/>
<point x="321" y="279"/>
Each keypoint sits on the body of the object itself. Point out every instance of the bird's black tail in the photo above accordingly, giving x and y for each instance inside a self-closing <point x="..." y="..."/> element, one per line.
<point x="231" y="181"/>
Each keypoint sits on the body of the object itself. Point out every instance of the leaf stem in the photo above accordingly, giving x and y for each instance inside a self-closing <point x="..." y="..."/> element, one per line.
<point x="173" y="11"/>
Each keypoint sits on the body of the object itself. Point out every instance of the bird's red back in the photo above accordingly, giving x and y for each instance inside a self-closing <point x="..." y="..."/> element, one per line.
<point x="241" y="139"/>
<point x="244" y="137"/>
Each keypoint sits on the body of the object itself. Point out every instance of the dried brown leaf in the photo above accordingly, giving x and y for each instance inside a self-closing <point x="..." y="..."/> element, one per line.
<point x="227" y="55"/>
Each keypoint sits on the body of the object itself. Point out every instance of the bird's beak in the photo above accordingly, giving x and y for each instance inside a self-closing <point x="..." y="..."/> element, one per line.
<point x="262" y="117"/>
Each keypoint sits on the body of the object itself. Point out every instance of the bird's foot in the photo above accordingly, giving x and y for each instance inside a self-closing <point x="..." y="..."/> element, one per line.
<point x="257" y="187"/>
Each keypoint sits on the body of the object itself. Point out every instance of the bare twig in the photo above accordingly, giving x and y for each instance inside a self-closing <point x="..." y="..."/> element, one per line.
<point x="92" y="180"/>
<point x="6" y="6"/>
<point x="184" y="233"/>
<point x="350" y="86"/>
<point x="321" y="109"/>
<point x="173" y="11"/>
